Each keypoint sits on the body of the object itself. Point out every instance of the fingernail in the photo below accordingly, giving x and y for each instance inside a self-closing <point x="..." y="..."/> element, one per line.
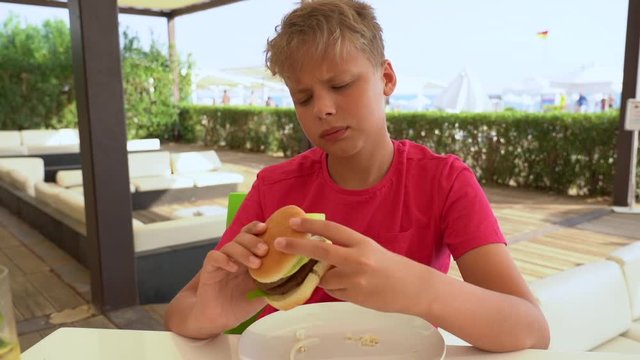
<point x="254" y="261"/>
<point x="262" y="247"/>
<point x="279" y="243"/>
<point x="294" y="221"/>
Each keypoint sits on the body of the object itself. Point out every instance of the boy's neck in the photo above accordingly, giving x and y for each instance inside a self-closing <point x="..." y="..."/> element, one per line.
<point x="364" y="169"/>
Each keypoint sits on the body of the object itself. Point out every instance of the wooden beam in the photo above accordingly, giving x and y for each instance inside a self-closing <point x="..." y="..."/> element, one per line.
<point x="629" y="91"/>
<point x="202" y="6"/>
<point x="63" y="5"/>
<point x="49" y="3"/>
<point x="100" y="103"/>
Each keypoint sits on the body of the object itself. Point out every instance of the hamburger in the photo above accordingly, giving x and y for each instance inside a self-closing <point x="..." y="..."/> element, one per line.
<point x="287" y="280"/>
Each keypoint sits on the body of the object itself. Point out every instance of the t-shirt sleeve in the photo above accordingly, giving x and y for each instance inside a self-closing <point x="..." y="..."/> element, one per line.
<point x="250" y="210"/>
<point x="468" y="221"/>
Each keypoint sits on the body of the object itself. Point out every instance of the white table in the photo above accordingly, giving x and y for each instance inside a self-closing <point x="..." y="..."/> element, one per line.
<point x="102" y="344"/>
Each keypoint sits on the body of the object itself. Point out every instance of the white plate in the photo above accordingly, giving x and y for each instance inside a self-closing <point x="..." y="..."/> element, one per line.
<point x="333" y="331"/>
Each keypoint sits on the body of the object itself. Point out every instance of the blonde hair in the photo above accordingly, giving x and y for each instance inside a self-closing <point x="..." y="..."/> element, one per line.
<point x="318" y="27"/>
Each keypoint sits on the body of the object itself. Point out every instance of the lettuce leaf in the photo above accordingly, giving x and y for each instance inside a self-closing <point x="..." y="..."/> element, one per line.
<point x="254" y="294"/>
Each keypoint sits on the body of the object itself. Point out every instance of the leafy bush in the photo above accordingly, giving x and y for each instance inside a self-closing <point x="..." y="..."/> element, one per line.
<point x="245" y="128"/>
<point x="564" y="153"/>
<point x="36" y="81"/>
<point x="148" y="89"/>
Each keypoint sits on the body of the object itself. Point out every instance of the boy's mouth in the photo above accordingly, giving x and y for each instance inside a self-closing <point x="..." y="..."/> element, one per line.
<point x="334" y="133"/>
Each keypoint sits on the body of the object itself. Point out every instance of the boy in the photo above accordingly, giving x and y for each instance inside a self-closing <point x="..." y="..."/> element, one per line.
<point x="397" y="210"/>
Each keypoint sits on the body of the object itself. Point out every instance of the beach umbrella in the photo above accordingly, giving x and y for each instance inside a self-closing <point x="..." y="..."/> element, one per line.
<point x="464" y="93"/>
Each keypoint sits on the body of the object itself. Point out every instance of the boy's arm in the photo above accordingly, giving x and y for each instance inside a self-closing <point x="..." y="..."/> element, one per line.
<point x="492" y="309"/>
<point x="178" y="317"/>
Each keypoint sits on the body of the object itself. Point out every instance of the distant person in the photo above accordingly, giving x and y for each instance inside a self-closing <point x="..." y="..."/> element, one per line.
<point x="611" y="101"/>
<point x="604" y="104"/>
<point x="270" y="102"/>
<point x="226" y="99"/>
<point x="252" y="99"/>
<point x="563" y="102"/>
<point x="581" y="104"/>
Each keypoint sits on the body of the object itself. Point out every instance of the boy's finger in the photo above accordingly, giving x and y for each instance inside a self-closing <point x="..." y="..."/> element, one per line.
<point x="338" y="234"/>
<point x="314" y="249"/>
<point x="255" y="227"/>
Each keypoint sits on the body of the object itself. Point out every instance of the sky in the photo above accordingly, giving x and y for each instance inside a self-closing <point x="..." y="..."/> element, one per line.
<point x="426" y="40"/>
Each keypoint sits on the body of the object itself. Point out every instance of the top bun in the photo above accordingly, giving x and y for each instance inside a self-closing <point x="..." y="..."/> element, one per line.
<point x="276" y="263"/>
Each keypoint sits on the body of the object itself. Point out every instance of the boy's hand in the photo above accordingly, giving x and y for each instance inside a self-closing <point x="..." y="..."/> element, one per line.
<point x="364" y="272"/>
<point x="225" y="281"/>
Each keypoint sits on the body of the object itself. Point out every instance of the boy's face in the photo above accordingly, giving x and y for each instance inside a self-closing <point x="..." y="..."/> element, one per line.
<point x="340" y="103"/>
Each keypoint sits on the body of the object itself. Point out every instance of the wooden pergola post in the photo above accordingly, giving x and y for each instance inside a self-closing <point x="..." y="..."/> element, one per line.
<point x="103" y="145"/>
<point x="629" y="91"/>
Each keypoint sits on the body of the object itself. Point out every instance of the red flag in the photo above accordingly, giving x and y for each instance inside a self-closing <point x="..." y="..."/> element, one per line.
<point x="543" y="34"/>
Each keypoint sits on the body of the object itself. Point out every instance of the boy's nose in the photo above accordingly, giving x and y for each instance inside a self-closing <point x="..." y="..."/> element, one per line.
<point x="324" y="107"/>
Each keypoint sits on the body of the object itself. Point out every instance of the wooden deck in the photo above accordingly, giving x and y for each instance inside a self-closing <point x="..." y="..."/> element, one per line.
<point x="547" y="234"/>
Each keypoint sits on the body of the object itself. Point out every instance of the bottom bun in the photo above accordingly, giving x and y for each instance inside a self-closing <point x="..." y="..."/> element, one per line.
<point x="302" y="293"/>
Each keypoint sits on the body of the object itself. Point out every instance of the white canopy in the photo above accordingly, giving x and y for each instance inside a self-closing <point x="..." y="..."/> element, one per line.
<point x="591" y="79"/>
<point x="534" y="86"/>
<point x="464" y="93"/>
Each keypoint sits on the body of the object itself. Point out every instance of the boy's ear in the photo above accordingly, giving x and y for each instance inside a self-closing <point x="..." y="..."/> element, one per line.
<point x="389" y="77"/>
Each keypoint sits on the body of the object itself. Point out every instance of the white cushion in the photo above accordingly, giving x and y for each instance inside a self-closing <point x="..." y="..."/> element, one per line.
<point x="584" y="306"/>
<point x="69" y="178"/>
<point x="215" y="178"/>
<point x="146" y="164"/>
<point x="161" y="183"/>
<point x="49" y="137"/>
<point x="47" y="192"/>
<point x="619" y="345"/>
<point x="143" y="145"/>
<point x="22" y="182"/>
<point x="628" y="257"/>
<point x="77" y="189"/>
<point x="53" y="149"/>
<point x="135" y="222"/>
<point x="12" y="150"/>
<point x="179" y="231"/>
<point x="80" y="188"/>
<point x="22" y="172"/>
<point x="10" y="138"/>
<point x="4" y="174"/>
<point x="634" y="331"/>
<point x="195" y="162"/>
<point x="71" y="203"/>
<point x="33" y="167"/>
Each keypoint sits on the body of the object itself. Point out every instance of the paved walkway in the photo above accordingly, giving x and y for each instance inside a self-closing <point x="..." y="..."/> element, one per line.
<point x="547" y="234"/>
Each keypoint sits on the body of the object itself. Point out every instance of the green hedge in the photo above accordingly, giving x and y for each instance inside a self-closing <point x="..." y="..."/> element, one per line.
<point x="245" y="128"/>
<point x="563" y="153"/>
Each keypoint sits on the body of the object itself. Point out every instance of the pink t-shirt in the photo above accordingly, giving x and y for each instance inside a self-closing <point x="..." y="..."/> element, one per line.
<point x="427" y="207"/>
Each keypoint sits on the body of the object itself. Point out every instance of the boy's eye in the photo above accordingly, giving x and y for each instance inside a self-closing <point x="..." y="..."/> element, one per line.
<point x="340" y="86"/>
<point x="303" y="101"/>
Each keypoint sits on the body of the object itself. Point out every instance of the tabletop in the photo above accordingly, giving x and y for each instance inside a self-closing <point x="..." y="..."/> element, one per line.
<point x="102" y="344"/>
